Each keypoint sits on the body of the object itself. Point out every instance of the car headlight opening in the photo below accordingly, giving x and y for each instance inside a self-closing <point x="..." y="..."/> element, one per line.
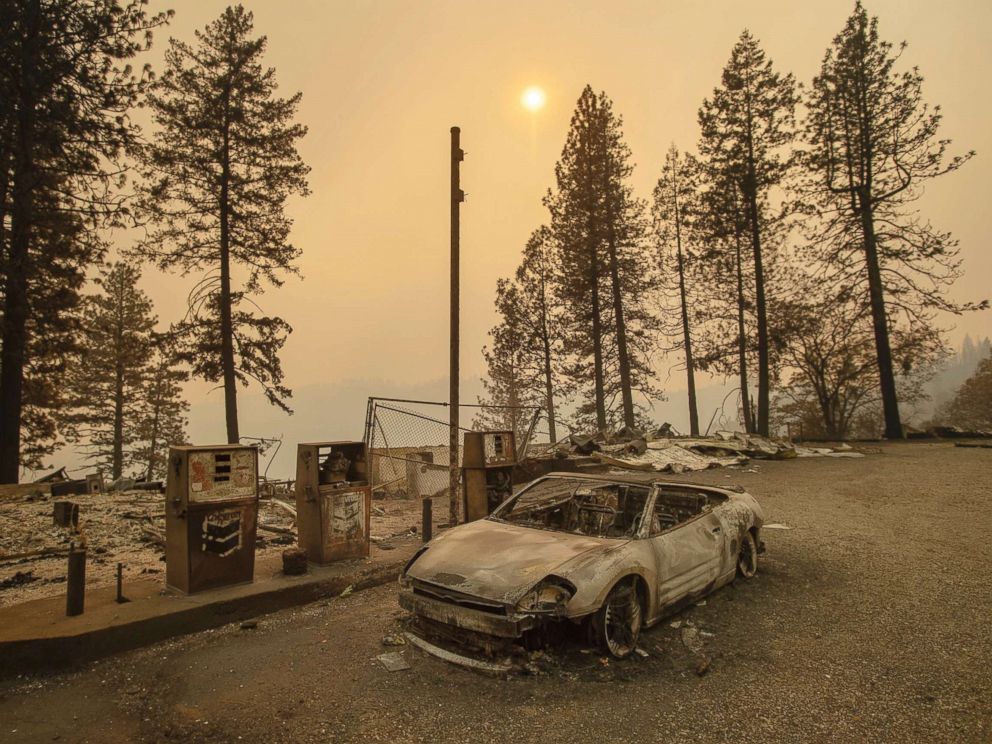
<point x="548" y="596"/>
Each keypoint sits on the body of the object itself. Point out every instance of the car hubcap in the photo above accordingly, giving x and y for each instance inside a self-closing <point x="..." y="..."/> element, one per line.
<point x="623" y="622"/>
<point x="747" y="558"/>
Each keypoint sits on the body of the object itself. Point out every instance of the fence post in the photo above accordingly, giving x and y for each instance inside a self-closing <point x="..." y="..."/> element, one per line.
<point x="427" y="519"/>
<point x="75" y="584"/>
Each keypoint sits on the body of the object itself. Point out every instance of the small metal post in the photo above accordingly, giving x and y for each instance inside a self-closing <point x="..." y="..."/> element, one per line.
<point x="121" y="599"/>
<point x="427" y="520"/>
<point x="75" y="585"/>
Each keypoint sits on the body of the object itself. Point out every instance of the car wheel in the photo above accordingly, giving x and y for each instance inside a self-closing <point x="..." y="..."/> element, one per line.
<point x="618" y="622"/>
<point x="747" y="559"/>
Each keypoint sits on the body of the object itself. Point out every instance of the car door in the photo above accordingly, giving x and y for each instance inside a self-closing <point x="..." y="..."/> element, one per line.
<point x="687" y="557"/>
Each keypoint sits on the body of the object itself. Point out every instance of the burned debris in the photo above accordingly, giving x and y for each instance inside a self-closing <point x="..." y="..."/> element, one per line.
<point x="130" y="526"/>
<point x="122" y="527"/>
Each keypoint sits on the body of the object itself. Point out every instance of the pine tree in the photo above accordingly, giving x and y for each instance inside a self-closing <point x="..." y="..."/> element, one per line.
<point x="530" y="318"/>
<point x="631" y="273"/>
<point x="746" y="130"/>
<point x="605" y="276"/>
<point x="723" y="276"/>
<point x="872" y="145"/>
<point x="575" y="221"/>
<point x="540" y="317"/>
<point x="220" y="170"/>
<point x="64" y="133"/>
<point x="674" y="195"/>
<point x="56" y="274"/>
<point x="510" y="386"/>
<point x="162" y="420"/>
<point x="109" y="385"/>
<point x="972" y="405"/>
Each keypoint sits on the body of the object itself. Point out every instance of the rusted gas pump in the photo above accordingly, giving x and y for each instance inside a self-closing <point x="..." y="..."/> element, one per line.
<point x="211" y="516"/>
<point x="333" y="500"/>
<point x="488" y="458"/>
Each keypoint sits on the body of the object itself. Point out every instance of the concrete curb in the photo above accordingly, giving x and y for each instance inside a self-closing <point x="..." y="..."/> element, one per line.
<point x="58" y="648"/>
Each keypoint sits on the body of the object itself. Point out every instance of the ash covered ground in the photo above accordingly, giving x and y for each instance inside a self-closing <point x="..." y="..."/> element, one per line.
<point x="123" y="528"/>
<point x="868" y="621"/>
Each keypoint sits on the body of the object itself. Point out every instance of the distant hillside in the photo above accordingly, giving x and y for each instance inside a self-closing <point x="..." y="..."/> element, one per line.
<point x="955" y="371"/>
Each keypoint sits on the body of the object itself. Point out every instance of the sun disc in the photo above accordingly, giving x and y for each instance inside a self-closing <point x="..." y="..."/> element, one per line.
<point x="533" y="98"/>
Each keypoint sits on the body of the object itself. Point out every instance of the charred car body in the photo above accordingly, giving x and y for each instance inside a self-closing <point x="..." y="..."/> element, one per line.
<point x="611" y="554"/>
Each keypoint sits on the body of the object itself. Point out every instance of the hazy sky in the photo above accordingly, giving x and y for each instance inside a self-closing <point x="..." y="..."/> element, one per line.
<point x="382" y="83"/>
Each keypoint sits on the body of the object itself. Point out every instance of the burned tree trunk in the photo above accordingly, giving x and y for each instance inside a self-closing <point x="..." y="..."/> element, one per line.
<point x="15" y="312"/>
<point x="623" y="359"/>
<point x="741" y="334"/>
<point x="153" y="438"/>
<point x="117" y="458"/>
<point x="226" y="324"/>
<point x="549" y="394"/>
<point x="690" y="372"/>
<point x="597" y="345"/>
<point x="597" y="330"/>
<point x="880" y="325"/>
<point x="762" y="319"/>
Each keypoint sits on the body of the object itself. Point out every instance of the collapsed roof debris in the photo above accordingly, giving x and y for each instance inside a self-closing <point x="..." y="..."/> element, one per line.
<point x="667" y="456"/>
<point x="56" y="476"/>
<point x="633" y="451"/>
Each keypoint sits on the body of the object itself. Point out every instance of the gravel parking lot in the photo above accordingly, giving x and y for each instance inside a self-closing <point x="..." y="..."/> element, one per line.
<point x="870" y="620"/>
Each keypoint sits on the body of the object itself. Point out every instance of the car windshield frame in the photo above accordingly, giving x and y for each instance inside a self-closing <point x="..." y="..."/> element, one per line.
<point x="501" y="512"/>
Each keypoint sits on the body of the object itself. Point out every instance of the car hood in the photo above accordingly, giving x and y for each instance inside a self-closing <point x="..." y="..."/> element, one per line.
<point x="498" y="561"/>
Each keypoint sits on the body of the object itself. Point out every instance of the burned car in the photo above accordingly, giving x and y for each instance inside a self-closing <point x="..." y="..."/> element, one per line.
<point x="612" y="554"/>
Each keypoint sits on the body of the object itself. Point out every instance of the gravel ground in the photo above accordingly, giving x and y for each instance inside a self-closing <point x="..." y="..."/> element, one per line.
<point x="869" y="620"/>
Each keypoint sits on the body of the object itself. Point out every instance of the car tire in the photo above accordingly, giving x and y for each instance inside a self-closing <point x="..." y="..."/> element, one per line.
<point x="617" y="624"/>
<point x="747" y="558"/>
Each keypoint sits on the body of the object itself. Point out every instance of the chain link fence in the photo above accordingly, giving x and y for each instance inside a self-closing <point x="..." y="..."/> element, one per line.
<point x="408" y="440"/>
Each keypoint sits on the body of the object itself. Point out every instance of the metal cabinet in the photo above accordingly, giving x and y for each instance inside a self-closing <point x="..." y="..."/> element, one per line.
<point x="488" y="458"/>
<point x="211" y="516"/>
<point x="333" y="500"/>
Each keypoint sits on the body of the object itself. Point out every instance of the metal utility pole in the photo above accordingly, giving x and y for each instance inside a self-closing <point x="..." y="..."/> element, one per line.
<point x="457" y="197"/>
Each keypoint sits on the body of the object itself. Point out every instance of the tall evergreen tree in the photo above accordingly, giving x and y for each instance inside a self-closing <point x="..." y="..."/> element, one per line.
<point x="162" y="420"/>
<point x="972" y="405"/>
<point x="109" y="385"/>
<point x="223" y="163"/>
<point x="746" y="130"/>
<point x="630" y="270"/>
<point x="67" y="89"/>
<point x="674" y="195"/>
<point x="540" y="317"/>
<point x="872" y="145"/>
<point x="605" y="275"/>
<point x="56" y="273"/>
<point x="509" y="383"/>
<point x="576" y="222"/>
<point x="531" y="318"/>
<point x="723" y="275"/>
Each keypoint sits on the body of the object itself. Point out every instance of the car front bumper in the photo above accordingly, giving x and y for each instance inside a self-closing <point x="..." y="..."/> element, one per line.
<point x="502" y="626"/>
